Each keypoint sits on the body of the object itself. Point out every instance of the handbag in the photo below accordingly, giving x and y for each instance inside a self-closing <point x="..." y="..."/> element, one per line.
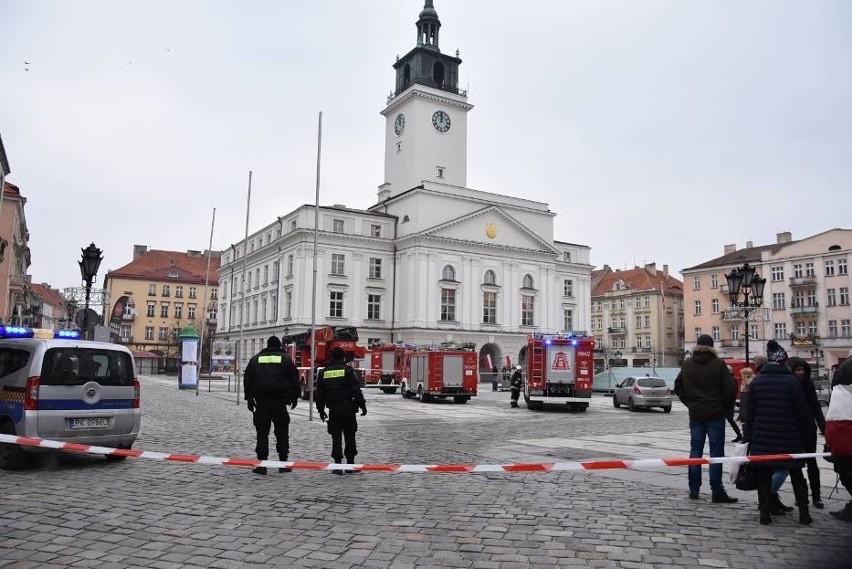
<point x="740" y="449"/>
<point x="746" y="479"/>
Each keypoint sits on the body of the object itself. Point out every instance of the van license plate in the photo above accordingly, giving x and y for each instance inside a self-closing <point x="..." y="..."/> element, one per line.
<point x="89" y="423"/>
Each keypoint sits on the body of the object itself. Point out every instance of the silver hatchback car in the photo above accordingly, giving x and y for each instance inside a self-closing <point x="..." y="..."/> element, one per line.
<point x="66" y="390"/>
<point x="643" y="392"/>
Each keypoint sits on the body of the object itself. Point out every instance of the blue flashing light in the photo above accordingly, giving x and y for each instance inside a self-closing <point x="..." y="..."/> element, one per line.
<point x="67" y="334"/>
<point x="548" y="341"/>
<point x="574" y="342"/>
<point x="15" y="332"/>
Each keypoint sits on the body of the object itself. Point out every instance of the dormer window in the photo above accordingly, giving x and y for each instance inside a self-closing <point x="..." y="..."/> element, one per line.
<point x="440" y="172"/>
<point x="448" y="274"/>
<point x="528" y="281"/>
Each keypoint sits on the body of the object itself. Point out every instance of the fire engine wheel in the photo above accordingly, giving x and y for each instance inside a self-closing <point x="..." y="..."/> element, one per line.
<point x="630" y="404"/>
<point x="422" y="396"/>
<point x="460" y="399"/>
<point x="12" y="457"/>
<point x="579" y="407"/>
<point x="389" y="389"/>
<point x="615" y="402"/>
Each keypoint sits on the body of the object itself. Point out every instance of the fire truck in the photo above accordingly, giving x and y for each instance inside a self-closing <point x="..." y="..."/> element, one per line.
<point x="448" y="371"/>
<point x="559" y="370"/>
<point x="736" y="366"/>
<point x="327" y="338"/>
<point x="387" y="362"/>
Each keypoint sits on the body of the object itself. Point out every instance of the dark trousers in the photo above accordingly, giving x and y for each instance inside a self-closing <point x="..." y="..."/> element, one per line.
<point x="516" y="393"/>
<point x="763" y="474"/>
<point x="266" y="414"/>
<point x="734" y="425"/>
<point x="813" y="467"/>
<point x="342" y="427"/>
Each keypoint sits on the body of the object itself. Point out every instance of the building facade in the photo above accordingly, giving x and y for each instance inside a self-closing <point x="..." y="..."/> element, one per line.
<point x="158" y="293"/>
<point x="15" y="297"/>
<point x="806" y="303"/>
<point x="637" y="317"/>
<point x="431" y="261"/>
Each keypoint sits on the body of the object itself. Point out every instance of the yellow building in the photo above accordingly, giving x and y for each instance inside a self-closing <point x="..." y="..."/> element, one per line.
<point x="158" y="293"/>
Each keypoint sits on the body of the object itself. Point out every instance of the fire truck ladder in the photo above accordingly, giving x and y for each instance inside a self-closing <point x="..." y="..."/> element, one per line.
<point x="537" y="368"/>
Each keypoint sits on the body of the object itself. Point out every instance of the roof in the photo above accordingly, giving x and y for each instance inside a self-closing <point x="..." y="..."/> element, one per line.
<point x="146" y="355"/>
<point x="738" y="257"/>
<point x="637" y="279"/>
<point x="48" y="295"/>
<point x="176" y="266"/>
<point x="4" y="162"/>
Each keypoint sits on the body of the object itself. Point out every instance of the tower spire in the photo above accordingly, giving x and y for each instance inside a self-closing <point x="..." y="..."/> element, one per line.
<point x="428" y="25"/>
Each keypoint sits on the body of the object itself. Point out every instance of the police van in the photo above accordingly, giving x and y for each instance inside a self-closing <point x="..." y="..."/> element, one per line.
<point x="54" y="385"/>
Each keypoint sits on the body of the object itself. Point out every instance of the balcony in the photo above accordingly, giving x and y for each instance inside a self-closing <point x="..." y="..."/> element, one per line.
<point x="125" y="340"/>
<point x="616" y="330"/>
<point x="639" y="350"/>
<point x="804" y="310"/>
<point x="129" y="316"/>
<point x="799" y="282"/>
<point x="732" y="343"/>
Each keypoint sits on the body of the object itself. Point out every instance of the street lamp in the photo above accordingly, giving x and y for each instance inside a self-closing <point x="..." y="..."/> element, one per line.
<point x="91" y="261"/>
<point x="744" y="280"/>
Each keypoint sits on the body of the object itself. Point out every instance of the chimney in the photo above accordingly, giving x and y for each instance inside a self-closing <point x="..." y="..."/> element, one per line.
<point x="730" y="248"/>
<point x="666" y="270"/>
<point x="651" y="268"/>
<point x="783" y="237"/>
<point x="139" y="250"/>
<point x="749" y="244"/>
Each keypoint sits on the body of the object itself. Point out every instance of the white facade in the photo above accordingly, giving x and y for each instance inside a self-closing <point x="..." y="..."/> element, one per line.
<point x="433" y="261"/>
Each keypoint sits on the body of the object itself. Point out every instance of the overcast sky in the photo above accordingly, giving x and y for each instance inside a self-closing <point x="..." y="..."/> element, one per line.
<point x="656" y="130"/>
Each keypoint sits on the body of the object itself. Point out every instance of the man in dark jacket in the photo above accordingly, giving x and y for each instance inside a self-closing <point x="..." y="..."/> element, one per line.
<point x="776" y="423"/>
<point x="515" y="385"/>
<point x="802" y="371"/>
<point x="338" y="389"/>
<point x="271" y="382"/>
<point x="707" y="388"/>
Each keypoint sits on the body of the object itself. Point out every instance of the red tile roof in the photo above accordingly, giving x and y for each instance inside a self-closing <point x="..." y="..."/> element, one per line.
<point x="48" y="295"/>
<point x="177" y="266"/>
<point x="638" y="279"/>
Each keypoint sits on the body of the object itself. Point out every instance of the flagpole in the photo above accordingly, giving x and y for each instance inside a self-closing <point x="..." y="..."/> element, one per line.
<point x="241" y="345"/>
<point x="204" y="309"/>
<point x="310" y="378"/>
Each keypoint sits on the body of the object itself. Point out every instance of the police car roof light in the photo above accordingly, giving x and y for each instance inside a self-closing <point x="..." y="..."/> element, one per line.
<point x="16" y="332"/>
<point x="67" y="334"/>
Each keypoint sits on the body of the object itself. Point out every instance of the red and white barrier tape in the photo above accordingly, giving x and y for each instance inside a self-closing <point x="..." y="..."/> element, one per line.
<point x="637" y="464"/>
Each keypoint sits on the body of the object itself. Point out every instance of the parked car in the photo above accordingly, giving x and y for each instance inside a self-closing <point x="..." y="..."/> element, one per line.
<point x="66" y="390"/>
<point x="643" y="392"/>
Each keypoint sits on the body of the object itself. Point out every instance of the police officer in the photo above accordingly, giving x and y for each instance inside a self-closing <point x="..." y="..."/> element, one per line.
<point x="515" y="384"/>
<point x="338" y="389"/>
<point x="271" y="383"/>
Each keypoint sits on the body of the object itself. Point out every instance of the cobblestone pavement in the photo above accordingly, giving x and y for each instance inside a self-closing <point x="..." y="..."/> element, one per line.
<point x="83" y="511"/>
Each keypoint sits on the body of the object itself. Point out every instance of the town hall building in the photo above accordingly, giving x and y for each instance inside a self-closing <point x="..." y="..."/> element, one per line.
<point x="432" y="261"/>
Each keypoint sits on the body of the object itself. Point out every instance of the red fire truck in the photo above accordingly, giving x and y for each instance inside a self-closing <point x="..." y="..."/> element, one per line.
<point x="448" y="371"/>
<point x="559" y="370"/>
<point x="387" y="362"/>
<point x="736" y="366"/>
<point x="327" y="338"/>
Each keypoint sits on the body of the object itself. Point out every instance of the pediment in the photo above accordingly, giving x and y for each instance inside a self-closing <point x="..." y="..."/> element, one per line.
<point x="490" y="226"/>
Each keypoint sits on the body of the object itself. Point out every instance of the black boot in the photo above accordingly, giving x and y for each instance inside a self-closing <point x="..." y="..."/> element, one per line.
<point x="763" y="501"/>
<point x="765" y="518"/>
<point x="813" y="482"/>
<point x="844" y="514"/>
<point x="337" y="471"/>
<point x="776" y="507"/>
<point x="283" y="458"/>
<point x="353" y="471"/>
<point x="804" y="516"/>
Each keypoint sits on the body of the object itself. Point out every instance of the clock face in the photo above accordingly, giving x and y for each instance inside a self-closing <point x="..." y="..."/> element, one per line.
<point x="399" y="124"/>
<point x="441" y="121"/>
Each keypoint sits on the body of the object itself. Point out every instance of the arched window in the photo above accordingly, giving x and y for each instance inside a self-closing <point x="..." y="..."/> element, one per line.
<point x="490" y="278"/>
<point x="528" y="281"/>
<point x="449" y="273"/>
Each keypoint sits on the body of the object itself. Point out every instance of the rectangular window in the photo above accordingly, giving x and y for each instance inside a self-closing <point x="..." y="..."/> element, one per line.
<point x="780" y="330"/>
<point x="714" y="281"/>
<point x="376" y="230"/>
<point x="166" y="291"/>
<point x="190" y="311"/>
<point x="164" y="310"/>
<point x="568" y="289"/>
<point x="809" y="270"/>
<point x="842" y="267"/>
<point x="164" y="333"/>
<point x="812" y="327"/>
<point x="812" y="301"/>
<point x="832" y="328"/>
<point x="735" y="332"/>
<point x="527" y="307"/>
<point x="797" y="271"/>
<point x="275" y="266"/>
<point x="265" y="274"/>
<point x="375" y="268"/>
<point x="192" y="292"/>
<point x="800" y="328"/>
<point x="289" y="265"/>
<point x="151" y="307"/>
<point x="714" y="306"/>
<point x="798" y="299"/>
<point x="567" y="256"/>
<point x="288" y="304"/>
<point x="178" y="310"/>
<point x="696" y="283"/>
<point x="646" y="320"/>
<point x="448" y="305"/>
<point x="697" y="332"/>
<point x="149" y="332"/>
<point x="646" y="301"/>
<point x="777" y="274"/>
<point x="248" y="280"/>
<point x="337" y="226"/>
<point x="489" y="308"/>
<point x="844" y="296"/>
<point x="178" y="291"/>
<point x="779" y="301"/>
<point x="753" y="330"/>
<point x="335" y="304"/>
<point x="829" y="267"/>
<point x="697" y="308"/>
<point x="716" y="333"/>
<point x="374" y="305"/>
<point x="567" y="319"/>
<point x="638" y="321"/>
<point x="263" y="307"/>
<point x="337" y="264"/>
<point x="257" y="277"/>
<point x="846" y="327"/>
<point x="152" y="290"/>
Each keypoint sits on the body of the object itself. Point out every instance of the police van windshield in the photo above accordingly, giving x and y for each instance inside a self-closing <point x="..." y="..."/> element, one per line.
<point x="76" y="366"/>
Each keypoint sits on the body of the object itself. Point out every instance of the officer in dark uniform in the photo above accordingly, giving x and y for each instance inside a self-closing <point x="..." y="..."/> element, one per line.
<point x="271" y="383"/>
<point x="338" y="389"/>
<point x="515" y="384"/>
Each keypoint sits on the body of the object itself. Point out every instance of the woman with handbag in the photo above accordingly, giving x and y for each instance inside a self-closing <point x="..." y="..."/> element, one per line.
<point x="776" y="422"/>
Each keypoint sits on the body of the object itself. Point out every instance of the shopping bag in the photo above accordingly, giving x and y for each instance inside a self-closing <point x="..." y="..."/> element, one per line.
<point x="746" y="479"/>
<point x="740" y="449"/>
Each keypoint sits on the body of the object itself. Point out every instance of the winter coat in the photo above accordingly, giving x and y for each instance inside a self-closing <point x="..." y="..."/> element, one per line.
<point x="777" y="417"/>
<point x="517" y="381"/>
<point x="338" y="388"/>
<point x="705" y="385"/>
<point x="814" y="406"/>
<point x="271" y="374"/>
<point x="838" y="420"/>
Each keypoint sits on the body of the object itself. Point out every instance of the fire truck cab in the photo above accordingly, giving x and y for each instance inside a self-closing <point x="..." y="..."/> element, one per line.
<point x="559" y="370"/>
<point x="450" y="371"/>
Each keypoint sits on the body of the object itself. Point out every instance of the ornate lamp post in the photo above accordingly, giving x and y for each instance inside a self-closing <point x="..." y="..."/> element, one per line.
<point x="91" y="261"/>
<point x="744" y="280"/>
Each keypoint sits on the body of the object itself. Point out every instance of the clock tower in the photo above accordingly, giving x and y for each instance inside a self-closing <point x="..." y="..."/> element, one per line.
<point x="426" y="116"/>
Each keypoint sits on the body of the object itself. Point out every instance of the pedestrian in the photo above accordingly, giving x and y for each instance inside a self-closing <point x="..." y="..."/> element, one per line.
<point x="271" y="383"/>
<point x="838" y="431"/>
<point x="776" y="423"/>
<point x="802" y="371"/>
<point x="515" y="384"/>
<point x="338" y="389"/>
<point x="730" y="416"/>
<point x="747" y="375"/>
<point x="494" y="379"/>
<point x="707" y="388"/>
